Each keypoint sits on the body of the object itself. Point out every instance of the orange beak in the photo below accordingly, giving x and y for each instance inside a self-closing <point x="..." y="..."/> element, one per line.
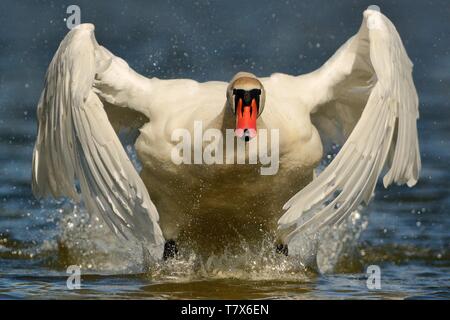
<point x="246" y="116"/>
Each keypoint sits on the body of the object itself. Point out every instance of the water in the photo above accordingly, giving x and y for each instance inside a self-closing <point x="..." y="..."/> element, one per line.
<point x="407" y="229"/>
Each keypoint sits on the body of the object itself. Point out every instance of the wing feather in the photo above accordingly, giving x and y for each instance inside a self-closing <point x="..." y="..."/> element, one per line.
<point x="385" y="134"/>
<point x="76" y="142"/>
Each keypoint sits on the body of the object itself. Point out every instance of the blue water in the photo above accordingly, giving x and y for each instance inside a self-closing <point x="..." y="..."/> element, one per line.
<point x="408" y="229"/>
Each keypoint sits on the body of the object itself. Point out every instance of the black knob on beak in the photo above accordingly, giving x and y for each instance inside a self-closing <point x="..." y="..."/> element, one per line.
<point x="247" y="95"/>
<point x="247" y="98"/>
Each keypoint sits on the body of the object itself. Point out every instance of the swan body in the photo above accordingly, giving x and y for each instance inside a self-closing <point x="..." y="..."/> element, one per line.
<point x="198" y="196"/>
<point x="363" y="97"/>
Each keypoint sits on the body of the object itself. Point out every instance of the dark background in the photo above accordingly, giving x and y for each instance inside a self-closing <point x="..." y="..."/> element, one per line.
<point x="212" y="40"/>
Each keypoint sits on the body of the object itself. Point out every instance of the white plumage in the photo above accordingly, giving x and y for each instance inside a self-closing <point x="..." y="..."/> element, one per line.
<point x="364" y="95"/>
<point x="373" y="62"/>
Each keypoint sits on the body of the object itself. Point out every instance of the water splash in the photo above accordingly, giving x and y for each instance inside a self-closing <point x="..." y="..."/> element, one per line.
<point x="86" y="241"/>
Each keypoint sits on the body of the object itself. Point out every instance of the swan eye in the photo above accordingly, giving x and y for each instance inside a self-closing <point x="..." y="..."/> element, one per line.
<point x="247" y="96"/>
<point x="255" y="92"/>
<point x="241" y="92"/>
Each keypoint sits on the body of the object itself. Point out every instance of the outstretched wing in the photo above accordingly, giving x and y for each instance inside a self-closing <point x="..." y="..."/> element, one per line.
<point x="369" y="95"/>
<point x="76" y="141"/>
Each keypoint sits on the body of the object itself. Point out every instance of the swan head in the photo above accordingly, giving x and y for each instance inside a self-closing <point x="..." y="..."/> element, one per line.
<point x="246" y="98"/>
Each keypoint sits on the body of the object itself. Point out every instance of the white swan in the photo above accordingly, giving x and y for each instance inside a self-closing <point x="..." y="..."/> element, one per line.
<point x="363" y="95"/>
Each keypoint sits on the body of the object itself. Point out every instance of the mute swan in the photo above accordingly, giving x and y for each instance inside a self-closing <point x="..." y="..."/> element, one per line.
<point x="363" y="95"/>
